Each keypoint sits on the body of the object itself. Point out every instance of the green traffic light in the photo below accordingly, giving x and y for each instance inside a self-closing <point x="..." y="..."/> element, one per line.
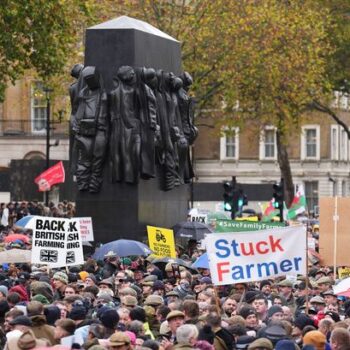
<point x="227" y="207"/>
<point x="240" y="203"/>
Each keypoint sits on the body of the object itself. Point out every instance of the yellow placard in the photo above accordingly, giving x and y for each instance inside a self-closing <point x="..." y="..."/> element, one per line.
<point x="161" y="241"/>
<point x="344" y="272"/>
<point x="248" y="218"/>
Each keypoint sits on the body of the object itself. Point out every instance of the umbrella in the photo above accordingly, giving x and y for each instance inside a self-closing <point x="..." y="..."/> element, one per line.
<point x="191" y="230"/>
<point x="23" y="222"/>
<point x="16" y="236"/>
<point x="202" y="262"/>
<point x="15" y="256"/>
<point x="161" y="262"/>
<point x="122" y="247"/>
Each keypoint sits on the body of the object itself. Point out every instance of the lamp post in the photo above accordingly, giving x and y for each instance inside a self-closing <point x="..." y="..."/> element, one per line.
<point x="47" y="91"/>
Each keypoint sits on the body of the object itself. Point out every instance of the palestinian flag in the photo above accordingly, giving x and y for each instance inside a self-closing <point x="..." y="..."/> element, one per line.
<point x="298" y="205"/>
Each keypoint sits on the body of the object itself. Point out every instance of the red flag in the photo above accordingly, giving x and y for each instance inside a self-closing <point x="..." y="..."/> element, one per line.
<point x="50" y="177"/>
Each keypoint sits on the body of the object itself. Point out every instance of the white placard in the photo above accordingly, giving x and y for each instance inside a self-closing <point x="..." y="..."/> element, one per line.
<point x="86" y="229"/>
<point x="257" y="255"/>
<point x="56" y="242"/>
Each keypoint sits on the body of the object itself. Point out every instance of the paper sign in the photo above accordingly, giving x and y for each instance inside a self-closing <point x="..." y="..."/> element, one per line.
<point x="161" y="241"/>
<point x="56" y="242"/>
<point x="85" y="228"/>
<point x="344" y="272"/>
<point x="246" y="257"/>
<point x="202" y="218"/>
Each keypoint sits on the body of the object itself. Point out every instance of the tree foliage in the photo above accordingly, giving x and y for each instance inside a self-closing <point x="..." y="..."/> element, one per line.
<point x="39" y="35"/>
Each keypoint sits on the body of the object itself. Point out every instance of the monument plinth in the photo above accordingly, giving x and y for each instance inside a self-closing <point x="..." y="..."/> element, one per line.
<point x="121" y="209"/>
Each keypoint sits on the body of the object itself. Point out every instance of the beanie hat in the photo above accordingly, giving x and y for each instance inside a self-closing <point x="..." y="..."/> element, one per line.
<point x="52" y="313"/>
<point x="250" y="296"/>
<point x="273" y="310"/>
<point x="275" y="333"/>
<point x="246" y="311"/>
<point x="92" y="277"/>
<point x="302" y="320"/>
<point x="42" y="299"/>
<point x="78" y="312"/>
<point x="109" y="318"/>
<point x="4" y="290"/>
<point x="61" y="276"/>
<point x="285" y="345"/>
<point x="264" y="283"/>
<point x="315" y="338"/>
<point x="83" y="275"/>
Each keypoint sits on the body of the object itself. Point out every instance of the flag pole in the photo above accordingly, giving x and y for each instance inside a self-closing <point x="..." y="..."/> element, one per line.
<point x="307" y="276"/>
<point x="335" y="219"/>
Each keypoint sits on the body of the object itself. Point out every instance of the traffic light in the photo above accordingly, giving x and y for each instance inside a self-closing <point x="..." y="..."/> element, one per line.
<point x="228" y="196"/>
<point x="278" y="198"/>
<point x="242" y="200"/>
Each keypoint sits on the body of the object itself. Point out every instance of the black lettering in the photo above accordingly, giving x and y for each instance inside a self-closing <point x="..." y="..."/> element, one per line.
<point x="73" y="237"/>
<point x="72" y="226"/>
<point x="39" y="224"/>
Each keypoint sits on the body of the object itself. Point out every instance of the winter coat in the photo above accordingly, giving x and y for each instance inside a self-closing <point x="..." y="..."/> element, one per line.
<point x="41" y="329"/>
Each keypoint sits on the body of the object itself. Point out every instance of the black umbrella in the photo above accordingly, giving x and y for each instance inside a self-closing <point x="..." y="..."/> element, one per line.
<point x="162" y="262"/>
<point x="191" y="230"/>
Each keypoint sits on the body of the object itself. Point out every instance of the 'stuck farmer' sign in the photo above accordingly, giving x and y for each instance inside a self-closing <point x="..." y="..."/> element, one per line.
<point x="56" y="242"/>
<point x="254" y="256"/>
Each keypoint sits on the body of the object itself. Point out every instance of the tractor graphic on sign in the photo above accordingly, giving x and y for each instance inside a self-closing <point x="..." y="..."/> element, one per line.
<point x="160" y="236"/>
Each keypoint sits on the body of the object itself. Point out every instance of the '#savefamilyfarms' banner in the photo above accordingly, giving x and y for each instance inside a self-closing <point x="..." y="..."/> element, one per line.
<point x="253" y="256"/>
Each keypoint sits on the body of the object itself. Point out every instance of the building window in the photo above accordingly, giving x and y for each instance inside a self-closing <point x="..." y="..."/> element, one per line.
<point x="344" y="144"/>
<point x="310" y="142"/>
<point x="268" y="145"/>
<point x="334" y="142"/>
<point x="311" y="194"/>
<point x="229" y="144"/>
<point x="38" y="101"/>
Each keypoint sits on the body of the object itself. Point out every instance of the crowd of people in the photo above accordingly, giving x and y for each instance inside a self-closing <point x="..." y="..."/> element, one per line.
<point x="14" y="211"/>
<point x="137" y="303"/>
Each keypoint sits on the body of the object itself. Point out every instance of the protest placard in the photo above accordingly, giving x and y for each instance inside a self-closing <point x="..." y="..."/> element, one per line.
<point x="161" y="241"/>
<point x="343" y="272"/>
<point x="56" y="242"/>
<point x="85" y="228"/>
<point x="202" y="218"/>
<point x="237" y="226"/>
<point x="257" y="255"/>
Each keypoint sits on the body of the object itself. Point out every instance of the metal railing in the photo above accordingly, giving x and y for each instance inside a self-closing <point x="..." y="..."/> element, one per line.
<point x="33" y="128"/>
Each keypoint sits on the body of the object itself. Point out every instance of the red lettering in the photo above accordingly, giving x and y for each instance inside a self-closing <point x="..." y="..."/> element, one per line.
<point x="259" y="250"/>
<point x="251" y="249"/>
<point x="275" y="244"/>
<point x="221" y="271"/>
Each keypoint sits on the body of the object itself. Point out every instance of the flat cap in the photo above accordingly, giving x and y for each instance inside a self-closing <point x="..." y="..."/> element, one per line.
<point x="174" y="314"/>
<point x="260" y="343"/>
<point x="323" y="280"/>
<point x="317" y="300"/>
<point x="154" y="300"/>
<point x="285" y="283"/>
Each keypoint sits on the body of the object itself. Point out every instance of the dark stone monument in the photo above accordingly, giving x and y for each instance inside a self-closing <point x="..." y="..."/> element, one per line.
<point x="122" y="209"/>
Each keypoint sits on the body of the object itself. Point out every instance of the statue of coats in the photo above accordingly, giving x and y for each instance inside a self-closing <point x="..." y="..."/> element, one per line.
<point x="91" y="131"/>
<point x="186" y="108"/>
<point x="125" y="142"/>
<point x="74" y="90"/>
<point x="146" y="105"/>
